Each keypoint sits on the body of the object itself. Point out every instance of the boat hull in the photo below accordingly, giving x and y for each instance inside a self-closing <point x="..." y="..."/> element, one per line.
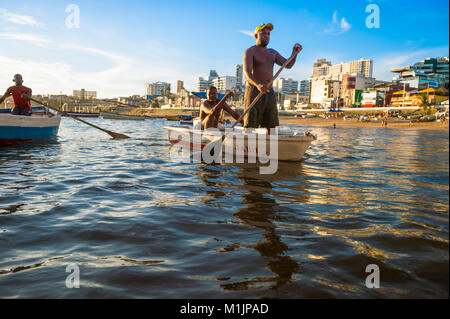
<point x="15" y="129"/>
<point x="81" y="114"/>
<point x="287" y="147"/>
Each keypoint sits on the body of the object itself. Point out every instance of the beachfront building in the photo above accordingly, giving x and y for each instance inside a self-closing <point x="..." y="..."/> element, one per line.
<point x="285" y="86"/>
<point x="416" y="79"/>
<point x="352" y="87"/>
<point x="321" y="68"/>
<point x="415" y="97"/>
<point x="224" y="83"/>
<point x="362" y="66"/>
<point x="324" y="90"/>
<point x="345" y="80"/>
<point x="435" y="67"/>
<point x="431" y="72"/>
<point x="385" y="90"/>
<point x="84" y="95"/>
<point x="157" y="88"/>
<point x="202" y="85"/>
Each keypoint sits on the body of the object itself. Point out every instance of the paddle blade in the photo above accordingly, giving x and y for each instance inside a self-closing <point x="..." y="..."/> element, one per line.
<point x="118" y="136"/>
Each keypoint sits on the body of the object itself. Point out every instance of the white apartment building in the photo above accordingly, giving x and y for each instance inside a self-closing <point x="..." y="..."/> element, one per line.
<point x="202" y="85"/>
<point x="224" y="83"/>
<point x="157" y="88"/>
<point x="335" y="71"/>
<point x="285" y="86"/>
<point x="324" y="89"/>
<point x="362" y="66"/>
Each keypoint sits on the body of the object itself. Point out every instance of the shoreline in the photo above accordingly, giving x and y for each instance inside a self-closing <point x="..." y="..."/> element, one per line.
<point x="340" y="122"/>
<point x="396" y="123"/>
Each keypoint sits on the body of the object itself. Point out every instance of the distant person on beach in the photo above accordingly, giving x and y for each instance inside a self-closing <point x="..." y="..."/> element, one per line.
<point x="21" y="97"/>
<point x="258" y="71"/>
<point x="212" y="107"/>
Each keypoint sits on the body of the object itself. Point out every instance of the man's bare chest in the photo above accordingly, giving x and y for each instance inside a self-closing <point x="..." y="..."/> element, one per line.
<point x="264" y="58"/>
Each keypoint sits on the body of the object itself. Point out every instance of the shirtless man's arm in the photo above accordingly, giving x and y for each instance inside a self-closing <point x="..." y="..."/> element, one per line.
<point x="233" y="113"/>
<point x="215" y="110"/>
<point x="281" y="60"/>
<point x="7" y="94"/>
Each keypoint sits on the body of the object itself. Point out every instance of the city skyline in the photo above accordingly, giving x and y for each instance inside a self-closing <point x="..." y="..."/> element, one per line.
<point x="120" y="46"/>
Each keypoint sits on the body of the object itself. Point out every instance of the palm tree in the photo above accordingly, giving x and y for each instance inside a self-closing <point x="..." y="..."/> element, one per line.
<point x="424" y="104"/>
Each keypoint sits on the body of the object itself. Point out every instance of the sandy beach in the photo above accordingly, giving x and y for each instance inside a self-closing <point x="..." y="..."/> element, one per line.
<point x="340" y="122"/>
<point x="318" y="121"/>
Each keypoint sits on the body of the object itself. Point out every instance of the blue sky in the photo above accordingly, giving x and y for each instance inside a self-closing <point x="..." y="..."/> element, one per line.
<point x="120" y="45"/>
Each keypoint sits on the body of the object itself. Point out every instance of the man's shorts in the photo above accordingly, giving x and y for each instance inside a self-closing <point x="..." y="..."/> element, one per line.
<point x="20" y="110"/>
<point x="264" y="113"/>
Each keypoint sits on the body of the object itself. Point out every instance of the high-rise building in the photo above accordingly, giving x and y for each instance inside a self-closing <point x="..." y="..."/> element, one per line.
<point x="180" y="86"/>
<point x="320" y="67"/>
<point x="212" y="75"/>
<point x="157" y="88"/>
<point x="285" y="86"/>
<point x="224" y="83"/>
<point x="305" y="87"/>
<point x="436" y="68"/>
<point x="239" y="75"/>
<point x="202" y="85"/>
<point x="362" y="66"/>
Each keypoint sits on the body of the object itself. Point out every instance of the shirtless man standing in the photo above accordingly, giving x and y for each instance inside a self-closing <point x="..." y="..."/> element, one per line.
<point x="258" y="70"/>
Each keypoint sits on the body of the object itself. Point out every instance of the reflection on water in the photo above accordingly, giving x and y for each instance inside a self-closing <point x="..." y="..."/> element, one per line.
<point x="140" y="225"/>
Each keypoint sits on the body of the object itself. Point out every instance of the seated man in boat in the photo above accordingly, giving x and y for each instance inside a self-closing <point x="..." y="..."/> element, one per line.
<point x="21" y="97"/>
<point x="212" y="107"/>
<point x="258" y="70"/>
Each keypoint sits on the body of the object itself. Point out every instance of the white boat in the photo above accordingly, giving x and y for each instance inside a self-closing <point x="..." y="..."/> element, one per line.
<point x="16" y="129"/>
<point x="292" y="145"/>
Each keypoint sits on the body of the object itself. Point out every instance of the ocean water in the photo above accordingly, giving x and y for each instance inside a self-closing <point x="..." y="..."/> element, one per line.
<point x="138" y="225"/>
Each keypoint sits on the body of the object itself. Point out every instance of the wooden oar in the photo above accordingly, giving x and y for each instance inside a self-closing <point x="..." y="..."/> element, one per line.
<point x="114" y="135"/>
<point x="212" y="145"/>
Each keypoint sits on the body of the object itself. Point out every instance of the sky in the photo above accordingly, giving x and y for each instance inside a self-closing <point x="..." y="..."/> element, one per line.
<point x="117" y="46"/>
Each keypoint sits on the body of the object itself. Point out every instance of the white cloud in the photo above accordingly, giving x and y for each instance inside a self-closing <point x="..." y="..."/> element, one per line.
<point x="125" y="77"/>
<point x="345" y="26"/>
<point x="246" y="32"/>
<point x="335" y="20"/>
<point x="11" y="17"/>
<point x="336" y="27"/>
<point x="32" y="38"/>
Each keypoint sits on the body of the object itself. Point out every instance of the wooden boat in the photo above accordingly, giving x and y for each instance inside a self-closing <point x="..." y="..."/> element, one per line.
<point x="186" y="117"/>
<point x="186" y="122"/>
<point x="291" y="145"/>
<point x="16" y="129"/>
<point x="35" y="109"/>
<point x="116" y="116"/>
<point x="81" y="114"/>
<point x="172" y="118"/>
